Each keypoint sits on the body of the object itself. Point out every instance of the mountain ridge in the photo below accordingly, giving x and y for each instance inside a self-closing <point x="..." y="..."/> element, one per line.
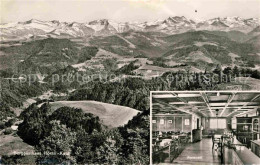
<point x="103" y="27"/>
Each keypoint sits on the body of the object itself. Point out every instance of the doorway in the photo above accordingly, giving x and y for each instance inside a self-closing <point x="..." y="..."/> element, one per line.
<point x="198" y="123"/>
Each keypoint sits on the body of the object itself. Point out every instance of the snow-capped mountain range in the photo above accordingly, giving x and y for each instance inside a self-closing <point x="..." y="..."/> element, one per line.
<point x="172" y="25"/>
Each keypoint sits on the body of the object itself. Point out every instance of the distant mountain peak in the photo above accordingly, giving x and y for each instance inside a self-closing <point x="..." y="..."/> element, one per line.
<point x="175" y="20"/>
<point x="170" y="25"/>
<point x="100" y="21"/>
<point x="257" y="29"/>
<point x="31" y="21"/>
<point x="219" y="24"/>
<point x="178" y="18"/>
<point x="55" y="21"/>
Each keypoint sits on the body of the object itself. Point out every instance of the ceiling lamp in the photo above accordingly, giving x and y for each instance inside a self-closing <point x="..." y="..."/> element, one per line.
<point x="217" y="110"/>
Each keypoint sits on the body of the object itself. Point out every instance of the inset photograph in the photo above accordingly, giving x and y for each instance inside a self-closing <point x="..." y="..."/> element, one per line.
<point x="205" y="127"/>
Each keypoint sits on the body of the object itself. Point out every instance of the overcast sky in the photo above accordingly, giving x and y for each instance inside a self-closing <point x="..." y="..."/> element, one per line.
<point x="124" y="10"/>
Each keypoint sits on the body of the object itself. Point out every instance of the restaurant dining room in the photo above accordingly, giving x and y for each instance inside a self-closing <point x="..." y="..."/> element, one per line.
<point x="205" y="127"/>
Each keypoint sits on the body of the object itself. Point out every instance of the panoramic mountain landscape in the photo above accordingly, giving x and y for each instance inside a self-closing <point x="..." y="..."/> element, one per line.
<point x="88" y="84"/>
<point x="176" y="43"/>
<point x="43" y="29"/>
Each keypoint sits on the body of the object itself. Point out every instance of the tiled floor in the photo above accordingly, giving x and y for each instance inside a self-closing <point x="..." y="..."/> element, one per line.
<point x="199" y="153"/>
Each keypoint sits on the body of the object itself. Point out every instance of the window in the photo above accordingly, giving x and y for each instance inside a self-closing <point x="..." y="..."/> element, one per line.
<point x="218" y="123"/>
<point x="169" y="121"/>
<point x="255" y="125"/>
<point x="245" y="127"/>
<point x="234" y="123"/>
<point x="154" y="121"/>
<point x="187" y="122"/>
<point x="161" y="121"/>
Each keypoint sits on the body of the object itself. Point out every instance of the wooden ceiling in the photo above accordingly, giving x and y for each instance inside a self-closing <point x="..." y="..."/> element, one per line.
<point x="206" y="103"/>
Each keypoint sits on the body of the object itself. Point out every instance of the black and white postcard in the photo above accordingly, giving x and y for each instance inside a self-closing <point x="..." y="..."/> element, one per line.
<point x="76" y="78"/>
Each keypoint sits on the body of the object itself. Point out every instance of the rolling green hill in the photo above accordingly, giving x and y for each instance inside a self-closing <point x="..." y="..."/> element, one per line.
<point x="255" y="41"/>
<point x="232" y="35"/>
<point x="203" y="48"/>
<point x="193" y="48"/>
<point x="132" y="43"/>
<point x="109" y="114"/>
<point x="45" y="56"/>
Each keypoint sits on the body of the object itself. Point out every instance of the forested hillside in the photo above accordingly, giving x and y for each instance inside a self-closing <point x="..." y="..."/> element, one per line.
<point x="84" y="138"/>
